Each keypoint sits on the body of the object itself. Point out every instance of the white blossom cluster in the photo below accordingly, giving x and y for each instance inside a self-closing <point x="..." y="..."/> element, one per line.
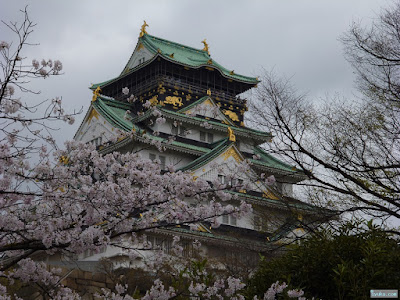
<point x="279" y="288"/>
<point x="85" y="189"/>
<point x="53" y="68"/>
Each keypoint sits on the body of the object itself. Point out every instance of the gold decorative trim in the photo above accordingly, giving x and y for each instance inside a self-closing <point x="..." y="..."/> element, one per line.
<point x="93" y="114"/>
<point x="232" y="115"/>
<point x="205" y="46"/>
<point x="143" y="29"/>
<point x="208" y="102"/>
<point x="154" y="100"/>
<point x="231" y="152"/>
<point x="63" y="159"/>
<point x="270" y="195"/>
<point x="175" y="101"/>
<point x="96" y="93"/>
<point x="161" y="90"/>
<point x="231" y="135"/>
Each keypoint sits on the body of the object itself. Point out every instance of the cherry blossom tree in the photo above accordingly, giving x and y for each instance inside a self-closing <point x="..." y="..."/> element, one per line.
<point x="66" y="201"/>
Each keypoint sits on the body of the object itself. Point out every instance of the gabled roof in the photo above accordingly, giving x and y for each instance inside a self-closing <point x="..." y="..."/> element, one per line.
<point x="176" y="115"/>
<point x="198" y="102"/>
<point x="281" y="203"/>
<point x="186" y="56"/>
<point x="115" y="111"/>
<point x="268" y="161"/>
<point x="220" y="148"/>
<point x="206" y="100"/>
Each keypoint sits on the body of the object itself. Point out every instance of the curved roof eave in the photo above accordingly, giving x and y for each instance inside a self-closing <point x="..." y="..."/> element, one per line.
<point x="138" y="67"/>
<point x="169" y="59"/>
<point x="166" y="57"/>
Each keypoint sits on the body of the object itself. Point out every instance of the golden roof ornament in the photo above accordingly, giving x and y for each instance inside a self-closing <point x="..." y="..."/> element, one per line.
<point x="96" y="93"/>
<point x="63" y="159"/>
<point x="205" y="46"/>
<point x="143" y="29"/>
<point x="209" y="92"/>
<point x="231" y="135"/>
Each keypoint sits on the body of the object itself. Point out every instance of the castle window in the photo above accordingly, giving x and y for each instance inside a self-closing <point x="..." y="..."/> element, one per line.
<point x="225" y="219"/>
<point x="182" y="130"/>
<point x="178" y="130"/>
<point x="229" y="220"/>
<point x="161" y="159"/>
<point x="206" y="136"/>
<point x="210" y="137"/>
<point x="97" y="141"/>
<point x="202" y="136"/>
<point x="259" y="223"/>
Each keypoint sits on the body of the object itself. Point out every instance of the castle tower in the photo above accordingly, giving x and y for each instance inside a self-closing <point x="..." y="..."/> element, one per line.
<point x="179" y="100"/>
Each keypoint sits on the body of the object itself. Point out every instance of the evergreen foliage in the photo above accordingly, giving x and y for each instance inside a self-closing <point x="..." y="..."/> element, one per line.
<point x="345" y="264"/>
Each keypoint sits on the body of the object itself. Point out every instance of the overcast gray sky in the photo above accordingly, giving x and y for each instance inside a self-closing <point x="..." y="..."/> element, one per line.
<point x="95" y="38"/>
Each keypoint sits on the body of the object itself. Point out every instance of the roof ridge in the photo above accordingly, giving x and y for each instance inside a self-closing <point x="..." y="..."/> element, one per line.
<point x="175" y="43"/>
<point x="193" y="104"/>
<point x="224" y="144"/>
<point x="123" y="124"/>
<point x="234" y="127"/>
<point x="262" y="152"/>
<point x="115" y="103"/>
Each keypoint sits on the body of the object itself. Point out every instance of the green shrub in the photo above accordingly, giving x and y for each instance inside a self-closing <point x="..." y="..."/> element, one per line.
<point x="341" y="265"/>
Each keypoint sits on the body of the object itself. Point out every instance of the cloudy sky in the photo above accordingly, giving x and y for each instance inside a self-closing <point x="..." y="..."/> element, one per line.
<point x="95" y="38"/>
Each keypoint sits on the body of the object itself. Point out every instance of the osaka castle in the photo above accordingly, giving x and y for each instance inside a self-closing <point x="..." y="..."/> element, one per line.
<point x="203" y="132"/>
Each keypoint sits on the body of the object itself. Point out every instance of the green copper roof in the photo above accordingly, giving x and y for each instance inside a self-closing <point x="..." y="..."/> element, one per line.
<point x="241" y="131"/>
<point x="114" y="112"/>
<point x="269" y="161"/>
<point x="187" y="56"/>
<point x="201" y="100"/>
<point x="100" y="84"/>
<point x="206" y="158"/>
<point x="276" y="203"/>
<point x="245" y="131"/>
<point x="184" y="55"/>
<point x="220" y="237"/>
